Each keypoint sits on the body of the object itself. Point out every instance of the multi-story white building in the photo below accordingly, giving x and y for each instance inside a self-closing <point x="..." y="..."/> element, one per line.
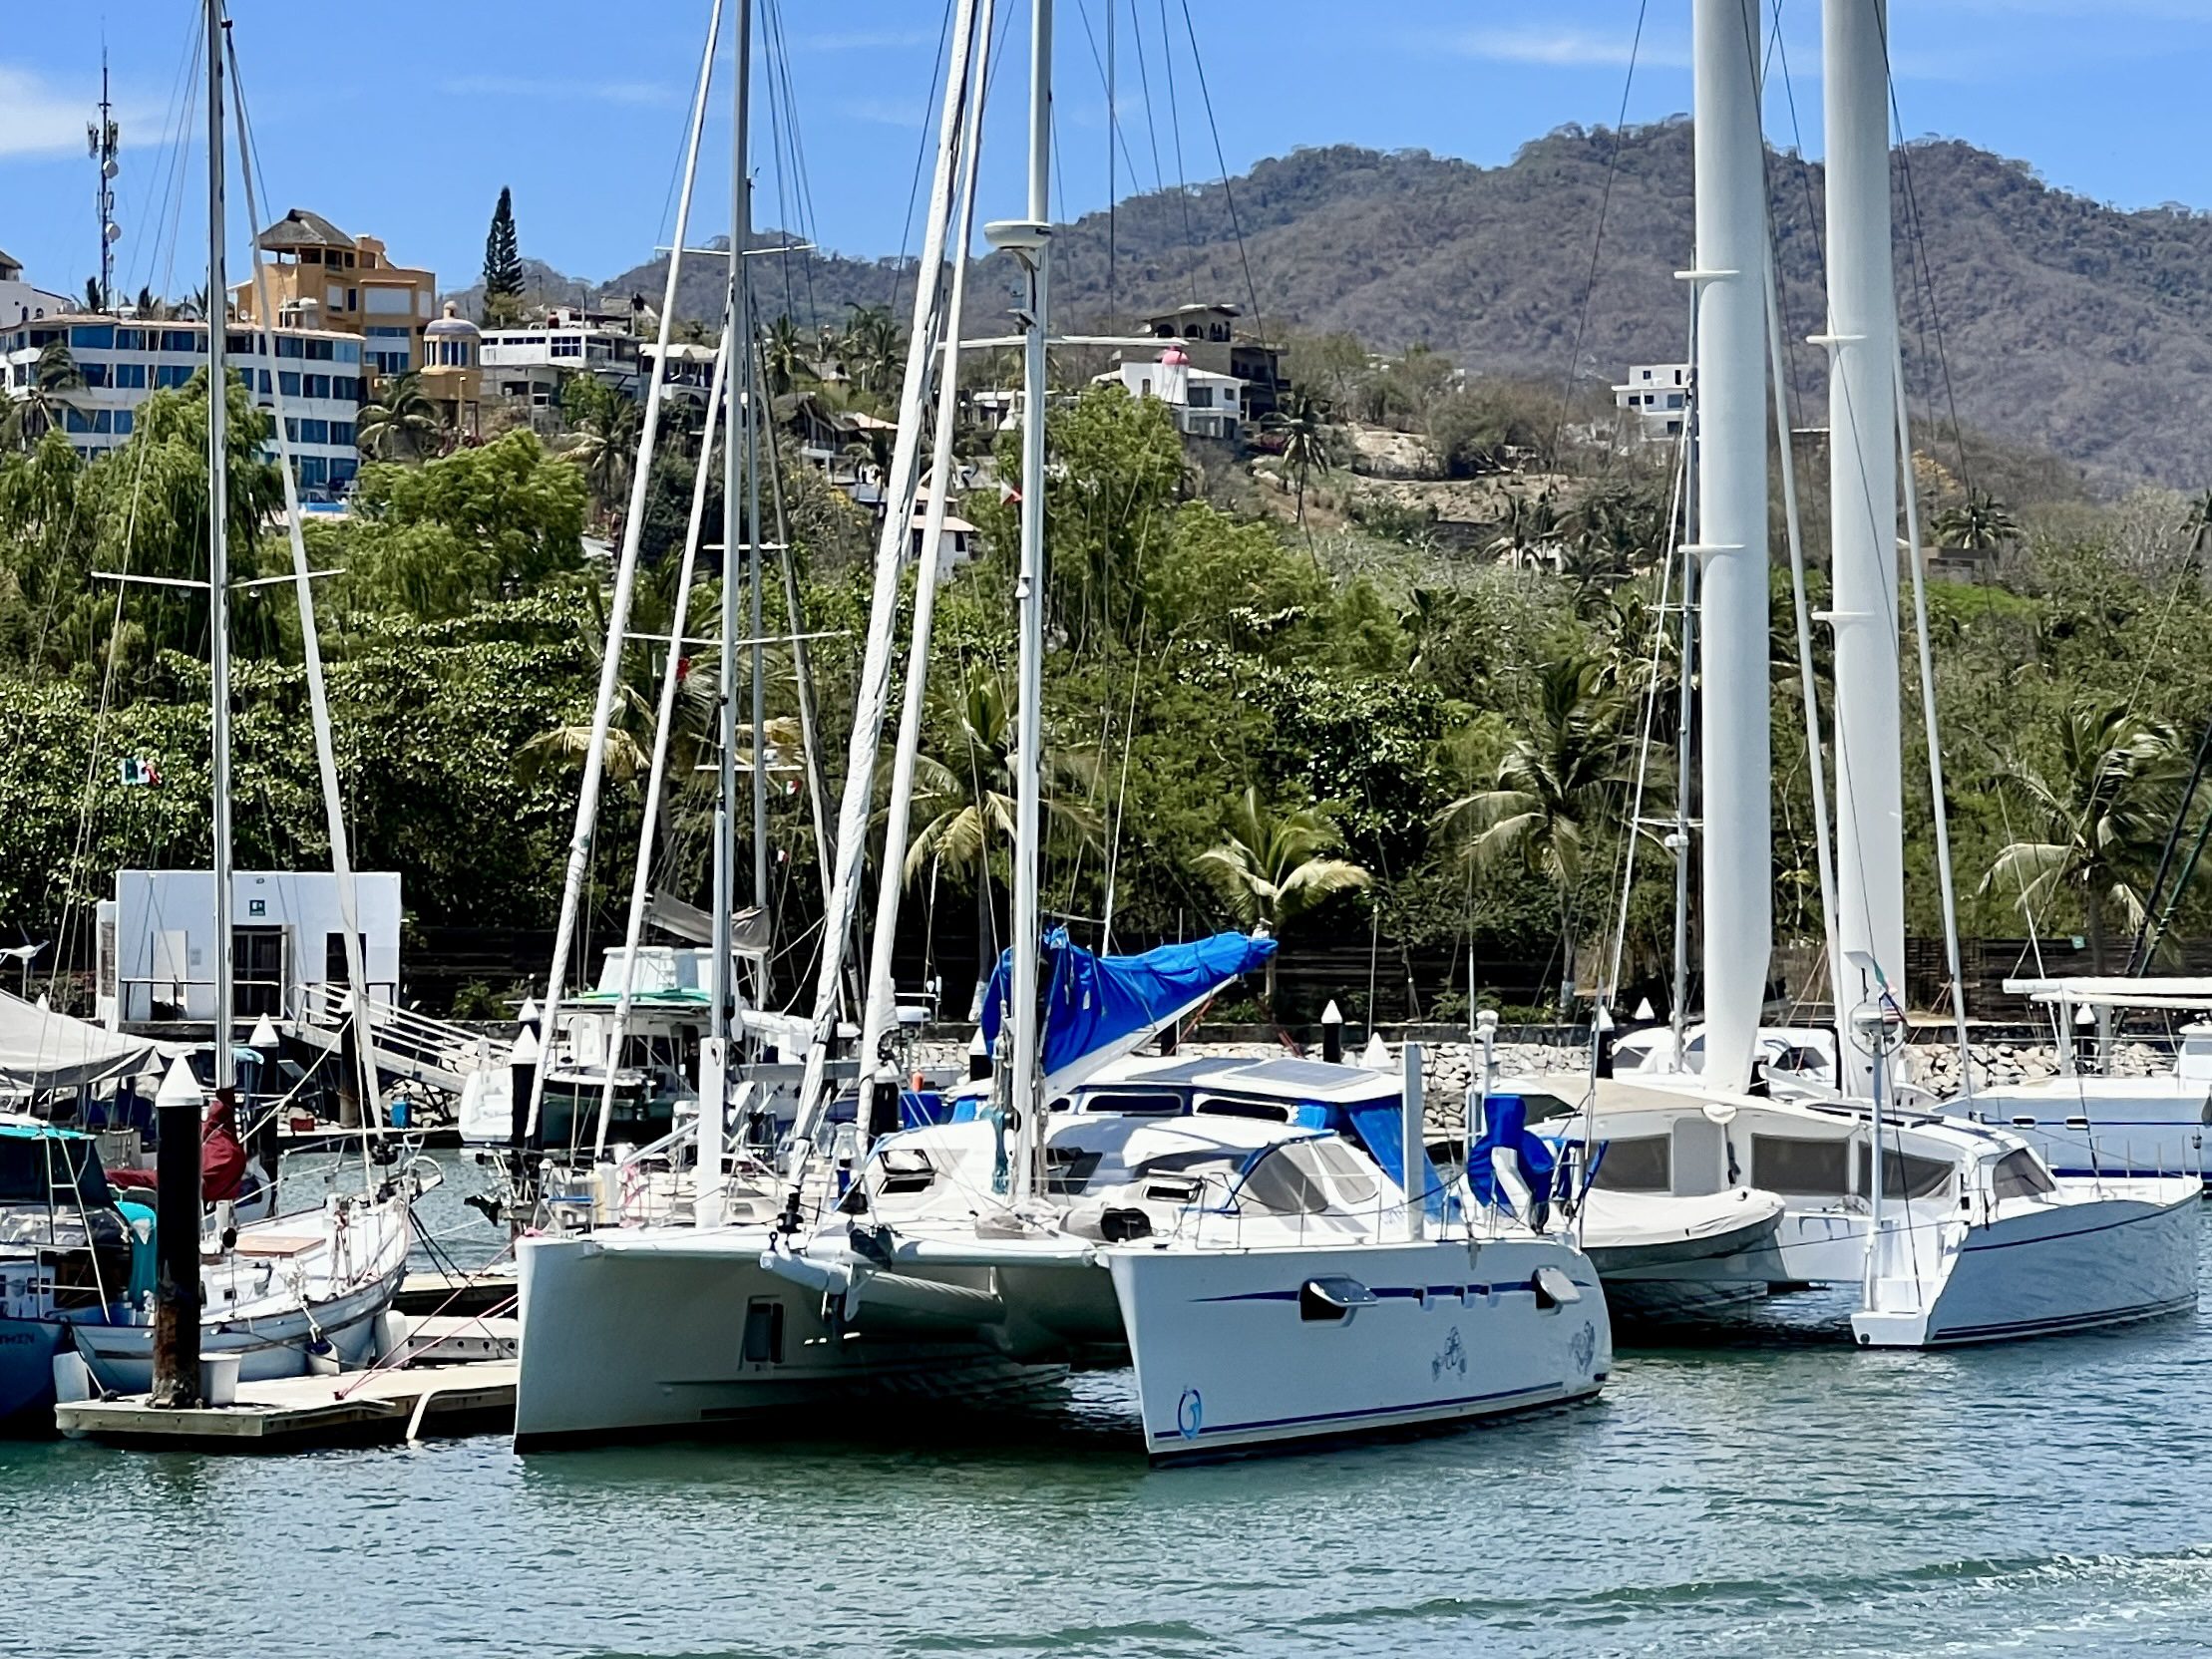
<point x="529" y="365"/>
<point x="1205" y="404"/>
<point x="124" y="361"/>
<point x="1657" y="394"/>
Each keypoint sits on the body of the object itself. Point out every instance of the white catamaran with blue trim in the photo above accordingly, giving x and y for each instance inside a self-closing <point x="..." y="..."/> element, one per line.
<point x="1952" y="1230"/>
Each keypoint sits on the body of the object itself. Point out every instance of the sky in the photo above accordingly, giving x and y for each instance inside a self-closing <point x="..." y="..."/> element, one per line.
<point x="582" y="109"/>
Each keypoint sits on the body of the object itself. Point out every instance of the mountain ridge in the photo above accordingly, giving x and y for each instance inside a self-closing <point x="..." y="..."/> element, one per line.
<point x="2047" y="318"/>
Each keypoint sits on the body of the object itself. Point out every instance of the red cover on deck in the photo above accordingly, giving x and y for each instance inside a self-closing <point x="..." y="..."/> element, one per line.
<point x="222" y="1155"/>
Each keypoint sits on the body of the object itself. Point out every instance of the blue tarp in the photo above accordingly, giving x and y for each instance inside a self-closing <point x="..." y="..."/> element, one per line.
<point x="1379" y="1126"/>
<point x="1505" y="1128"/>
<point x="1098" y="1008"/>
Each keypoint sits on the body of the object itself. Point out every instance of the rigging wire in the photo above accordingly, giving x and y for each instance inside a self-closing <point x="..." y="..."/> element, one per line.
<point x="1597" y="238"/>
<point x="1229" y="193"/>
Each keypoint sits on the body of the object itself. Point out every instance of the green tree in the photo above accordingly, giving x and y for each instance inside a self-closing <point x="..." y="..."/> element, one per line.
<point x="783" y="352"/>
<point x="1270" y="867"/>
<point x="601" y="439"/>
<point x="502" y="267"/>
<point x="1303" y="429"/>
<point x="1560" y="781"/>
<point x="2096" y="820"/>
<point x="39" y="410"/>
<point x="875" y="350"/>
<point x="399" y="422"/>
<point x="1979" y="524"/>
<point x="496" y="522"/>
<point x="963" y="796"/>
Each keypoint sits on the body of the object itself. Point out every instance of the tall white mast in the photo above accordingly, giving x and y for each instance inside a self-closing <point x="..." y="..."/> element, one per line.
<point x="879" y="1006"/>
<point x="1862" y="483"/>
<point x="625" y="583"/>
<point x="714" y="1056"/>
<point x="1732" y="531"/>
<point x="218" y="545"/>
<point x="1029" y="604"/>
<point x="873" y="693"/>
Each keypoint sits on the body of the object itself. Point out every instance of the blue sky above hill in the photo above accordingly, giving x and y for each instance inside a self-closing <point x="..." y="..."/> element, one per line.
<point x="580" y="109"/>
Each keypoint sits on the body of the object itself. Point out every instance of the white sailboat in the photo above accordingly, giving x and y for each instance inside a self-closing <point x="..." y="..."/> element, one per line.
<point x="965" y="1259"/>
<point x="291" y="1292"/>
<point x="1952" y="1231"/>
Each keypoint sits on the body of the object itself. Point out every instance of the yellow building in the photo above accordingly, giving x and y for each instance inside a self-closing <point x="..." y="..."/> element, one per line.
<point x="320" y="277"/>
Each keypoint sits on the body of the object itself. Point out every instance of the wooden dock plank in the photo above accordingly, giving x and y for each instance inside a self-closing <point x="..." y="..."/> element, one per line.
<point x="296" y="1412"/>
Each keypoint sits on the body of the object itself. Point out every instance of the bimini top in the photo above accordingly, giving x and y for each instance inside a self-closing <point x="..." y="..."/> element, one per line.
<point x="1098" y="1008"/>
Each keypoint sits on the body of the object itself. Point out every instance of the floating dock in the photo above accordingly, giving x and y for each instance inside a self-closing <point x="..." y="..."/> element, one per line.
<point x="388" y="1405"/>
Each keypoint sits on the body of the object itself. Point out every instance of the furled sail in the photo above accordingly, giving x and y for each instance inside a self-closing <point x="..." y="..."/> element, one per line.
<point x="1099" y="1008"/>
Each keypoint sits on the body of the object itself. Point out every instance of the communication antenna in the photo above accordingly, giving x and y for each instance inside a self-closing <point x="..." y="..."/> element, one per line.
<point x="103" y="138"/>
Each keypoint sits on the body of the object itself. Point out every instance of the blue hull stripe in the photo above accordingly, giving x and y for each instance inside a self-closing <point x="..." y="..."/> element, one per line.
<point x="1363" y="1411"/>
<point x="2070" y="1322"/>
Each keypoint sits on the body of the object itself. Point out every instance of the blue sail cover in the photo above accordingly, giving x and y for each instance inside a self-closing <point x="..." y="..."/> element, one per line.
<point x="1099" y="1008"/>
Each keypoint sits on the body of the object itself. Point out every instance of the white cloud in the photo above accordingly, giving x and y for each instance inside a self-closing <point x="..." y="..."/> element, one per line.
<point x="641" y="93"/>
<point x="1569" y="48"/>
<point x="35" y="120"/>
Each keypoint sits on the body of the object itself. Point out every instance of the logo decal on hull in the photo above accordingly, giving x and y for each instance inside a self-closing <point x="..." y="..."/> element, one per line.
<point x="1190" y="1413"/>
<point x="1585" y="1347"/>
<point x="1453" y="1357"/>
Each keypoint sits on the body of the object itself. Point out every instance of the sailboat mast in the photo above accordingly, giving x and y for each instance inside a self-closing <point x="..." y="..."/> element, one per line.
<point x="1030" y="602"/>
<point x="714" y="1058"/>
<point x="741" y="296"/>
<point x="1862" y="483"/>
<point x="219" y="551"/>
<point x="1731" y="532"/>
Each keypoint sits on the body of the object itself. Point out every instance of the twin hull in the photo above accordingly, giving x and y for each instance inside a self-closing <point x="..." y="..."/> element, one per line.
<point x="631" y="1335"/>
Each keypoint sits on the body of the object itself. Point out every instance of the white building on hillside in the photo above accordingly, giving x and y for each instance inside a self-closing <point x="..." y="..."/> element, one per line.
<point x="1657" y="394"/>
<point x="1205" y="404"/>
<point x="19" y="301"/>
<point x="529" y="365"/>
<point x="125" y="362"/>
<point x="157" y="958"/>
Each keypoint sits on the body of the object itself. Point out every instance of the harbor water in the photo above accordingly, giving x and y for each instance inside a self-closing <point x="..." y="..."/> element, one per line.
<point x="1779" y="1496"/>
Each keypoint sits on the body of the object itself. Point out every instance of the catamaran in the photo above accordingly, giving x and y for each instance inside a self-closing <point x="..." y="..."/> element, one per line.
<point x="1952" y="1230"/>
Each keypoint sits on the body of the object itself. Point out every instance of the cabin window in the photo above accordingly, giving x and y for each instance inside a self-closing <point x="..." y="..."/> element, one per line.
<point x="1641" y="1163"/>
<point x="1355" y="1183"/>
<point x="1904" y="1175"/>
<point x="1801" y="1167"/>
<point x="1284" y="1183"/>
<point x="903" y="1170"/>
<point x="1546" y="1109"/>
<point x="1265" y="1112"/>
<point x="764" y="1331"/>
<point x="2020" y="1174"/>
<point x="1068" y="1169"/>
<point x="1131" y="1104"/>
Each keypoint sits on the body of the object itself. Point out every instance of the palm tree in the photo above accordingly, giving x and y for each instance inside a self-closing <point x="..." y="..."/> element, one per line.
<point x="782" y="352"/>
<point x="604" y="443"/>
<point x="963" y="801"/>
<point x="1529" y="533"/>
<point x="1304" y="433"/>
<point x="39" y="410"/>
<point x="399" y="422"/>
<point x="1979" y="524"/>
<point x="1561" y="779"/>
<point x="1270" y="867"/>
<point x="2097" y="819"/>
<point x="874" y="349"/>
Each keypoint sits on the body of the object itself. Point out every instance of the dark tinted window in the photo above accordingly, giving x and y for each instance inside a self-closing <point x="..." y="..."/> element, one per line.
<point x="1282" y="1182"/>
<point x="1903" y="1176"/>
<point x="2020" y="1175"/>
<point x="1642" y="1164"/>
<point x="1136" y="1104"/>
<point x="1811" y="1169"/>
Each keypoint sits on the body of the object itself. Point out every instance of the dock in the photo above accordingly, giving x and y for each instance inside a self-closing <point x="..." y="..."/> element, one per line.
<point x="393" y="1403"/>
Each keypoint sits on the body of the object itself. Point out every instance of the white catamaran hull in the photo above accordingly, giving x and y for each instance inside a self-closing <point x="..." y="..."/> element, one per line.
<point x="1236" y="1349"/>
<point x="2045" y="1269"/>
<point x="643" y="1331"/>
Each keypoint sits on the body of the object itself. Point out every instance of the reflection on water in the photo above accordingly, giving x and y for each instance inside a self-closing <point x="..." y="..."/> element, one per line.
<point x="1779" y="1496"/>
